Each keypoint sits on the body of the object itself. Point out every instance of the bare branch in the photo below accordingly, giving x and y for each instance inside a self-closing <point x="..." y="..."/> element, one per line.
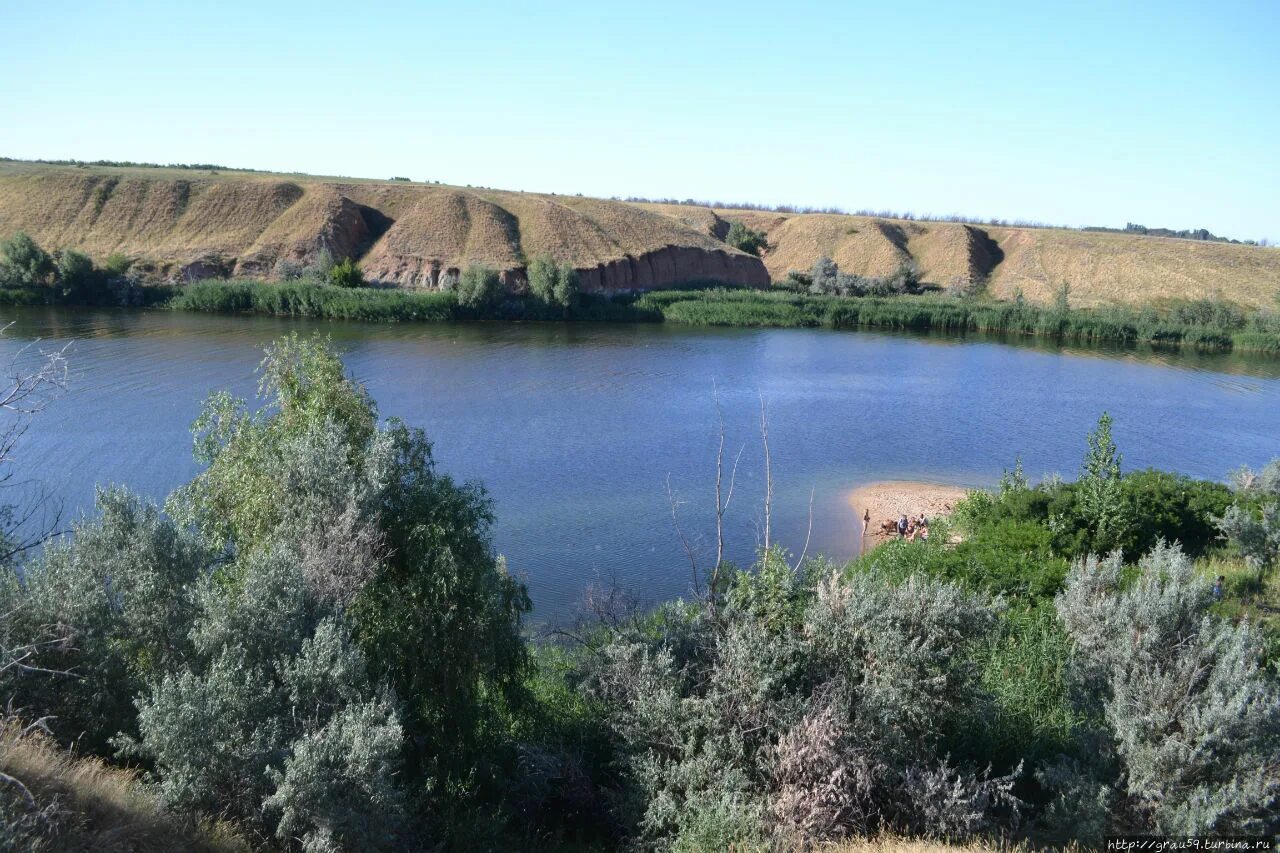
<point x="768" y="471"/>
<point x="800" y="562"/>
<point x="688" y="549"/>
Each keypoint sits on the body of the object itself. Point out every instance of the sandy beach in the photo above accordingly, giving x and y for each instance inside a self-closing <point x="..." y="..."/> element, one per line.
<point x="893" y="498"/>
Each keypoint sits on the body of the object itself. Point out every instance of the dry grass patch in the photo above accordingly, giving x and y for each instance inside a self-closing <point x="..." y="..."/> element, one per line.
<point x="81" y="804"/>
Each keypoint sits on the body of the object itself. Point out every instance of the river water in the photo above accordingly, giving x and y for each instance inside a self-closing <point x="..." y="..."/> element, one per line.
<point x="576" y="430"/>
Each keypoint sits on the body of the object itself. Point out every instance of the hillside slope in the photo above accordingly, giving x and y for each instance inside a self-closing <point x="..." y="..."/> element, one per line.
<point x="187" y="224"/>
<point x="1101" y="268"/>
<point x="184" y="224"/>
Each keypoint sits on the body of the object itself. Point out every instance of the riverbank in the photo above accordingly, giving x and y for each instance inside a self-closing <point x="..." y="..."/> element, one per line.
<point x="1203" y="326"/>
<point x="890" y="499"/>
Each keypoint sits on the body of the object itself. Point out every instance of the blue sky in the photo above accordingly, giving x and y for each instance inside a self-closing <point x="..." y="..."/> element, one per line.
<point x="1070" y="112"/>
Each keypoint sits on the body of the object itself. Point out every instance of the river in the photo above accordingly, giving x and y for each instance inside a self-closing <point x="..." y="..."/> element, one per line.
<point x="575" y="429"/>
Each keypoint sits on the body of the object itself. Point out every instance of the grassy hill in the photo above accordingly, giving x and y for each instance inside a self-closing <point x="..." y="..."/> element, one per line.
<point x="1102" y="268"/>
<point x="184" y="224"/>
<point x="187" y="224"/>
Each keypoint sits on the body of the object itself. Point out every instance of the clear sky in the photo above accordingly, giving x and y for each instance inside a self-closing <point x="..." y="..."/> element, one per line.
<point x="1166" y="114"/>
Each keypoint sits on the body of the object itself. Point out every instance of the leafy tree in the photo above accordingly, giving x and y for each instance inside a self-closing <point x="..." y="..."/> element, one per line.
<point x="822" y="276"/>
<point x="479" y="287"/>
<point x="23" y="263"/>
<point x="77" y="280"/>
<point x="542" y="279"/>
<point x="745" y="239"/>
<point x="1100" y="493"/>
<point x="431" y="607"/>
<point x="567" y="287"/>
<point x="553" y="286"/>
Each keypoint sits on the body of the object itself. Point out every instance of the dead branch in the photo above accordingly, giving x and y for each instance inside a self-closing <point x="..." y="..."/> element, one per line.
<point x="684" y="540"/>
<point x="768" y="471"/>
<point x="800" y="562"/>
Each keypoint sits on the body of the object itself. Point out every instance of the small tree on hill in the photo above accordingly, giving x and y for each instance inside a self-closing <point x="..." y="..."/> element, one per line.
<point x="745" y="239"/>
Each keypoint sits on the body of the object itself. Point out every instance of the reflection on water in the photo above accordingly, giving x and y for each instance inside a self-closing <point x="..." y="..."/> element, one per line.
<point x="575" y="428"/>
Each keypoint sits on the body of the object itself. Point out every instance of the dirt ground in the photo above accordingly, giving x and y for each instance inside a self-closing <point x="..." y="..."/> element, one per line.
<point x="890" y="499"/>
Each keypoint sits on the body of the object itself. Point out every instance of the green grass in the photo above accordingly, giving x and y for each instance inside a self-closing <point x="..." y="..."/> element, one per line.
<point x="295" y="299"/>
<point x="707" y="306"/>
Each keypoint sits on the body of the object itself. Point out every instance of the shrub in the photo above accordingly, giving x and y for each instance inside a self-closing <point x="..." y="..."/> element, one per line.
<point x="112" y="606"/>
<point x="1194" y="721"/>
<point x="23" y="263"/>
<point x="321" y="265"/>
<point x="745" y="239"/>
<point x="567" y="287"/>
<point x="434" y="593"/>
<point x="1170" y="507"/>
<point x="288" y="269"/>
<point x="553" y="287"/>
<point x="479" y="288"/>
<point x="346" y="273"/>
<point x="542" y="279"/>
<point x="116" y="264"/>
<point x="77" y="280"/>
<point x="1252" y="522"/>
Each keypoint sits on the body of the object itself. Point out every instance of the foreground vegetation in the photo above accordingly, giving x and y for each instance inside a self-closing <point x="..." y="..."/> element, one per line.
<point x="314" y="641"/>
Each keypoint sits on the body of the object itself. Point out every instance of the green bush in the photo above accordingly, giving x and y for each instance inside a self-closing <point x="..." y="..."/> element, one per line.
<point x="1186" y="724"/>
<point x="116" y="264"/>
<point x="346" y="273"/>
<point x="78" y="281"/>
<point x="23" y="263"/>
<point x="479" y="288"/>
<point x="745" y="239"/>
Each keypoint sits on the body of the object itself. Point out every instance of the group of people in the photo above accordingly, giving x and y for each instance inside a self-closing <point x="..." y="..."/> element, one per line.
<point x="910" y="527"/>
<point x="907" y="526"/>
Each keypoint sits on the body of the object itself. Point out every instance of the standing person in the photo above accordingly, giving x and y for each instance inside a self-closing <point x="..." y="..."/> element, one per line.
<point x="866" y="522"/>
<point x="1217" y="587"/>
<point x="902" y="527"/>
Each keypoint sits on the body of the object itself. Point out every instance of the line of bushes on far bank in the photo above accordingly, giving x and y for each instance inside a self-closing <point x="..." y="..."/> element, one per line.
<point x="1201" y="326"/>
<point x="337" y="291"/>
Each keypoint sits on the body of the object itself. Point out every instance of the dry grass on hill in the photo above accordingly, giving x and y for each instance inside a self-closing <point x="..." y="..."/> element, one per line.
<point x="83" y="805"/>
<point x="1101" y="268"/>
<point x="172" y="218"/>
<point x="1107" y="268"/>
<point x="406" y="233"/>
